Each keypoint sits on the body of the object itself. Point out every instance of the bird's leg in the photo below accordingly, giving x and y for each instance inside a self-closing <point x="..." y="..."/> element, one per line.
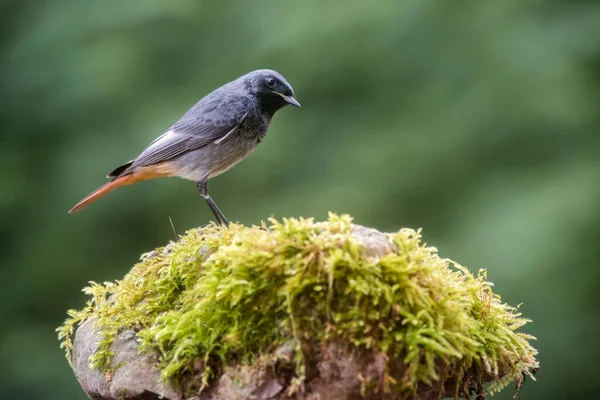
<point x="203" y="189"/>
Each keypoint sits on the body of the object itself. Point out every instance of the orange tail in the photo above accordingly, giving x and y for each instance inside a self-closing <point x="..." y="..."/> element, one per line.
<point x="145" y="173"/>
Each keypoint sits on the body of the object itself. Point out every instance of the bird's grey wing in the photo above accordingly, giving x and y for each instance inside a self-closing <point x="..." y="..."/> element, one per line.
<point x="186" y="135"/>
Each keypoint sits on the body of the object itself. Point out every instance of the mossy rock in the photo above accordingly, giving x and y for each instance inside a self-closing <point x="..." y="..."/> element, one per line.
<point x="297" y="309"/>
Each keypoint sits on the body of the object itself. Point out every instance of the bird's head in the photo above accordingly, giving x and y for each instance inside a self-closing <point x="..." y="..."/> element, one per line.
<point x="272" y="89"/>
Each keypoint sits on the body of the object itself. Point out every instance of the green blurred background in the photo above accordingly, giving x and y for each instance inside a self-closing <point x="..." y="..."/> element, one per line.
<point x="476" y="120"/>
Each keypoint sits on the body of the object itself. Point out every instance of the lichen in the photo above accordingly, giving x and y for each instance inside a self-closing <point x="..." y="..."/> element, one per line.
<point x="239" y="293"/>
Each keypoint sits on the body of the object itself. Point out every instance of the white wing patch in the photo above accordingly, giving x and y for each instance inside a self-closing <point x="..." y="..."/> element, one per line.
<point x="218" y="141"/>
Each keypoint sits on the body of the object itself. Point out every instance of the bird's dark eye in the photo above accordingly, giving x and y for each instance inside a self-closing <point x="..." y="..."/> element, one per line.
<point x="271" y="81"/>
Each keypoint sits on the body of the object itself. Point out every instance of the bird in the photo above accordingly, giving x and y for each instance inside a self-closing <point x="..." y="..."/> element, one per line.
<point x="218" y="132"/>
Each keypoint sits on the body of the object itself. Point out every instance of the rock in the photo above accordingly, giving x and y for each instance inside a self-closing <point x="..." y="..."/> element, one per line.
<point x="332" y="370"/>
<point x="136" y="378"/>
<point x="376" y="243"/>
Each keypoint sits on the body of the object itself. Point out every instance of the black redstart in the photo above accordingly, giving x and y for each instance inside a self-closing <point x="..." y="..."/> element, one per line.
<point x="214" y="135"/>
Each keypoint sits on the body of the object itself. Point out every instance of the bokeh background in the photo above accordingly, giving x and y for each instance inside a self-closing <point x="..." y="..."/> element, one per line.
<point x="477" y="121"/>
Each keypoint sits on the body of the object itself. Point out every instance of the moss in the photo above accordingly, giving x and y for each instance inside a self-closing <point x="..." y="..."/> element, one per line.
<point x="303" y="280"/>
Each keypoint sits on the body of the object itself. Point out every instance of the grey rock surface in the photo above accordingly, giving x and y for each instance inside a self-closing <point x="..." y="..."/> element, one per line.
<point x="376" y="243"/>
<point x="136" y="378"/>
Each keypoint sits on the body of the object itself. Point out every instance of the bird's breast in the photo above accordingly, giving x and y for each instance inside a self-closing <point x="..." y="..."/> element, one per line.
<point x="228" y="153"/>
<point x="219" y="156"/>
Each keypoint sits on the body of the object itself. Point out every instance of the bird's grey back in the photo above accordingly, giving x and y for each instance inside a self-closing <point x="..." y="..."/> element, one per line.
<point x="226" y="102"/>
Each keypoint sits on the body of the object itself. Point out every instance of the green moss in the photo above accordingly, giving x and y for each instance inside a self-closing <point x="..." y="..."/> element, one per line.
<point x="298" y="279"/>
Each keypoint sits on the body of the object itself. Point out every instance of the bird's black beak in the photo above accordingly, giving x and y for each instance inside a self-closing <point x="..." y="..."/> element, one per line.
<point x="289" y="99"/>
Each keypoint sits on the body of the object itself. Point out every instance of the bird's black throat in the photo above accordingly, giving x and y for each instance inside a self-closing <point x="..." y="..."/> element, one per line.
<point x="269" y="103"/>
